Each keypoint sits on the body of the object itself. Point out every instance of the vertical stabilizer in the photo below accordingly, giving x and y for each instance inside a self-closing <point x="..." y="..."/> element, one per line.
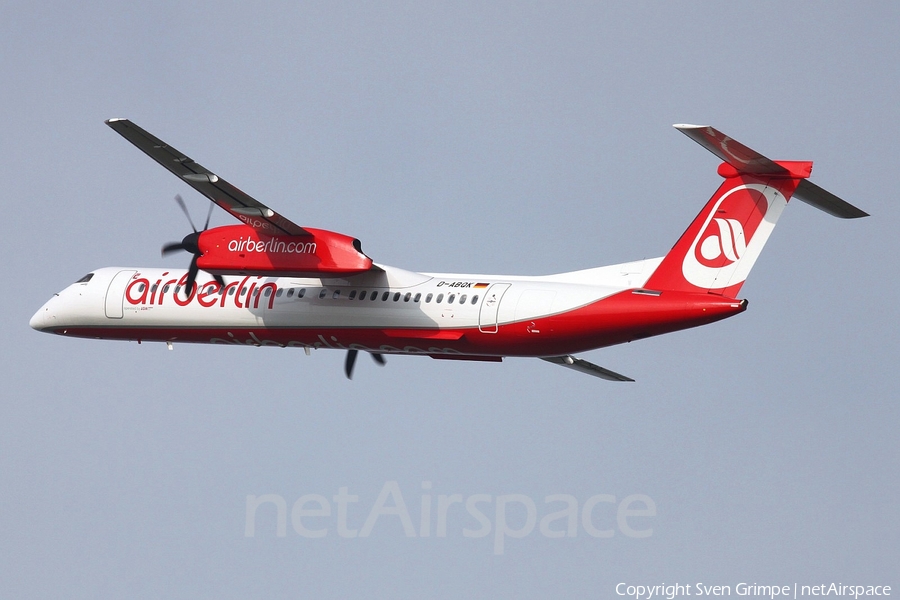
<point x="718" y="249"/>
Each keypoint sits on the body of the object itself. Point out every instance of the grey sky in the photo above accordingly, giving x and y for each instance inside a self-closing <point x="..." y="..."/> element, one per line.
<point x="516" y="138"/>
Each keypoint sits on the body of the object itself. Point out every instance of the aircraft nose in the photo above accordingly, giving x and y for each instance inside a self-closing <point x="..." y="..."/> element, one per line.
<point x="43" y="318"/>
<point x="37" y="321"/>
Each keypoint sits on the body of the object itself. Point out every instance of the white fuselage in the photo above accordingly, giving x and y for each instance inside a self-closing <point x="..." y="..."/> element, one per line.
<point x="133" y="303"/>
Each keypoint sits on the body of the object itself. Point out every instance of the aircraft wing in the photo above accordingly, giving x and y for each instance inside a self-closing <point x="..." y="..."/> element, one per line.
<point x="579" y="364"/>
<point x="241" y="206"/>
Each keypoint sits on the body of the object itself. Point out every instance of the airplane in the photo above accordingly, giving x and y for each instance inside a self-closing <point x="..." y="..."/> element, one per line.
<point x="269" y="282"/>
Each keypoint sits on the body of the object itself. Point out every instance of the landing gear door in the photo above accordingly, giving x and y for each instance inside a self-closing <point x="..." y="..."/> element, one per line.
<point x="115" y="294"/>
<point x="490" y="307"/>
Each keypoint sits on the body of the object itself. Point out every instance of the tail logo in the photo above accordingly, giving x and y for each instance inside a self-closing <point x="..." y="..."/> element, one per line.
<point x="725" y="242"/>
<point x="732" y="235"/>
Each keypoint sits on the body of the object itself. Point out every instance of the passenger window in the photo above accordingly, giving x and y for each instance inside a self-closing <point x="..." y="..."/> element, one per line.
<point x="462" y="299"/>
<point x="385" y="296"/>
<point x="374" y="296"/>
<point x="396" y="296"/>
<point x="407" y="296"/>
<point x="322" y="293"/>
<point x="231" y="292"/>
<point x="475" y="299"/>
<point x="269" y="292"/>
<point x="290" y="292"/>
<point x="352" y="295"/>
<point x="243" y="291"/>
<point x="165" y="289"/>
<point x="153" y="289"/>
<point x="336" y="294"/>
<point x="439" y="298"/>
<point x="418" y="296"/>
<point x="451" y="298"/>
<point x="279" y="293"/>
<point x="428" y="298"/>
<point x="362" y="295"/>
<point x="301" y="293"/>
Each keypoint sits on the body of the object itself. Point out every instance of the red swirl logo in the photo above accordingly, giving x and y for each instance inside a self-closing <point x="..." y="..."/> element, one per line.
<point x="732" y="233"/>
<point x="724" y="240"/>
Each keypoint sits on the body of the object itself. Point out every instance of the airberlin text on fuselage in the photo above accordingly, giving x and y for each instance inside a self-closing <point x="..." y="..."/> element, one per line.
<point x="142" y="292"/>
<point x="273" y="245"/>
<point x="242" y="293"/>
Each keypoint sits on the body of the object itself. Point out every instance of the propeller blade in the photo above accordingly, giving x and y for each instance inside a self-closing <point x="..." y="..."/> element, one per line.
<point x="379" y="358"/>
<point x="173" y="247"/>
<point x="191" y="277"/>
<point x="208" y="215"/>
<point x="184" y="209"/>
<point x="348" y="364"/>
<point x="191" y="243"/>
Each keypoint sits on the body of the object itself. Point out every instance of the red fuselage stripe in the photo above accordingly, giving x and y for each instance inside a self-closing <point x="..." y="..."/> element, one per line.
<point x="620" y="318"/>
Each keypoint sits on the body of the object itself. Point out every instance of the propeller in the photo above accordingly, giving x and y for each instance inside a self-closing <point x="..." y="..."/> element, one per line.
<point x="190" y="243"/>
<point x="351" y="360"/>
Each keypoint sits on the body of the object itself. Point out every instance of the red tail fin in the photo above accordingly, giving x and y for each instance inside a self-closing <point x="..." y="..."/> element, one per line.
<point x="717" y="251"/>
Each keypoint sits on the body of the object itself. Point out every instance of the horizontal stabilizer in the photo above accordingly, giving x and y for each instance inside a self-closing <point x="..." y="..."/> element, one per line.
<point x="739" y="156"/>
<point x="584" y="366"/>
<point x="822" y="199"/>
<point x="748" y="161"/>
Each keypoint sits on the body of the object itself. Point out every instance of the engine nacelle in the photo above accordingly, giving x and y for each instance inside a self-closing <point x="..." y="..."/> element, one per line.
<point x="242" y="250"/>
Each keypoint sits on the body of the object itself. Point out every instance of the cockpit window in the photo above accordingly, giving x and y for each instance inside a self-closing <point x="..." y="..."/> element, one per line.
<point x="86" y="278"/>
